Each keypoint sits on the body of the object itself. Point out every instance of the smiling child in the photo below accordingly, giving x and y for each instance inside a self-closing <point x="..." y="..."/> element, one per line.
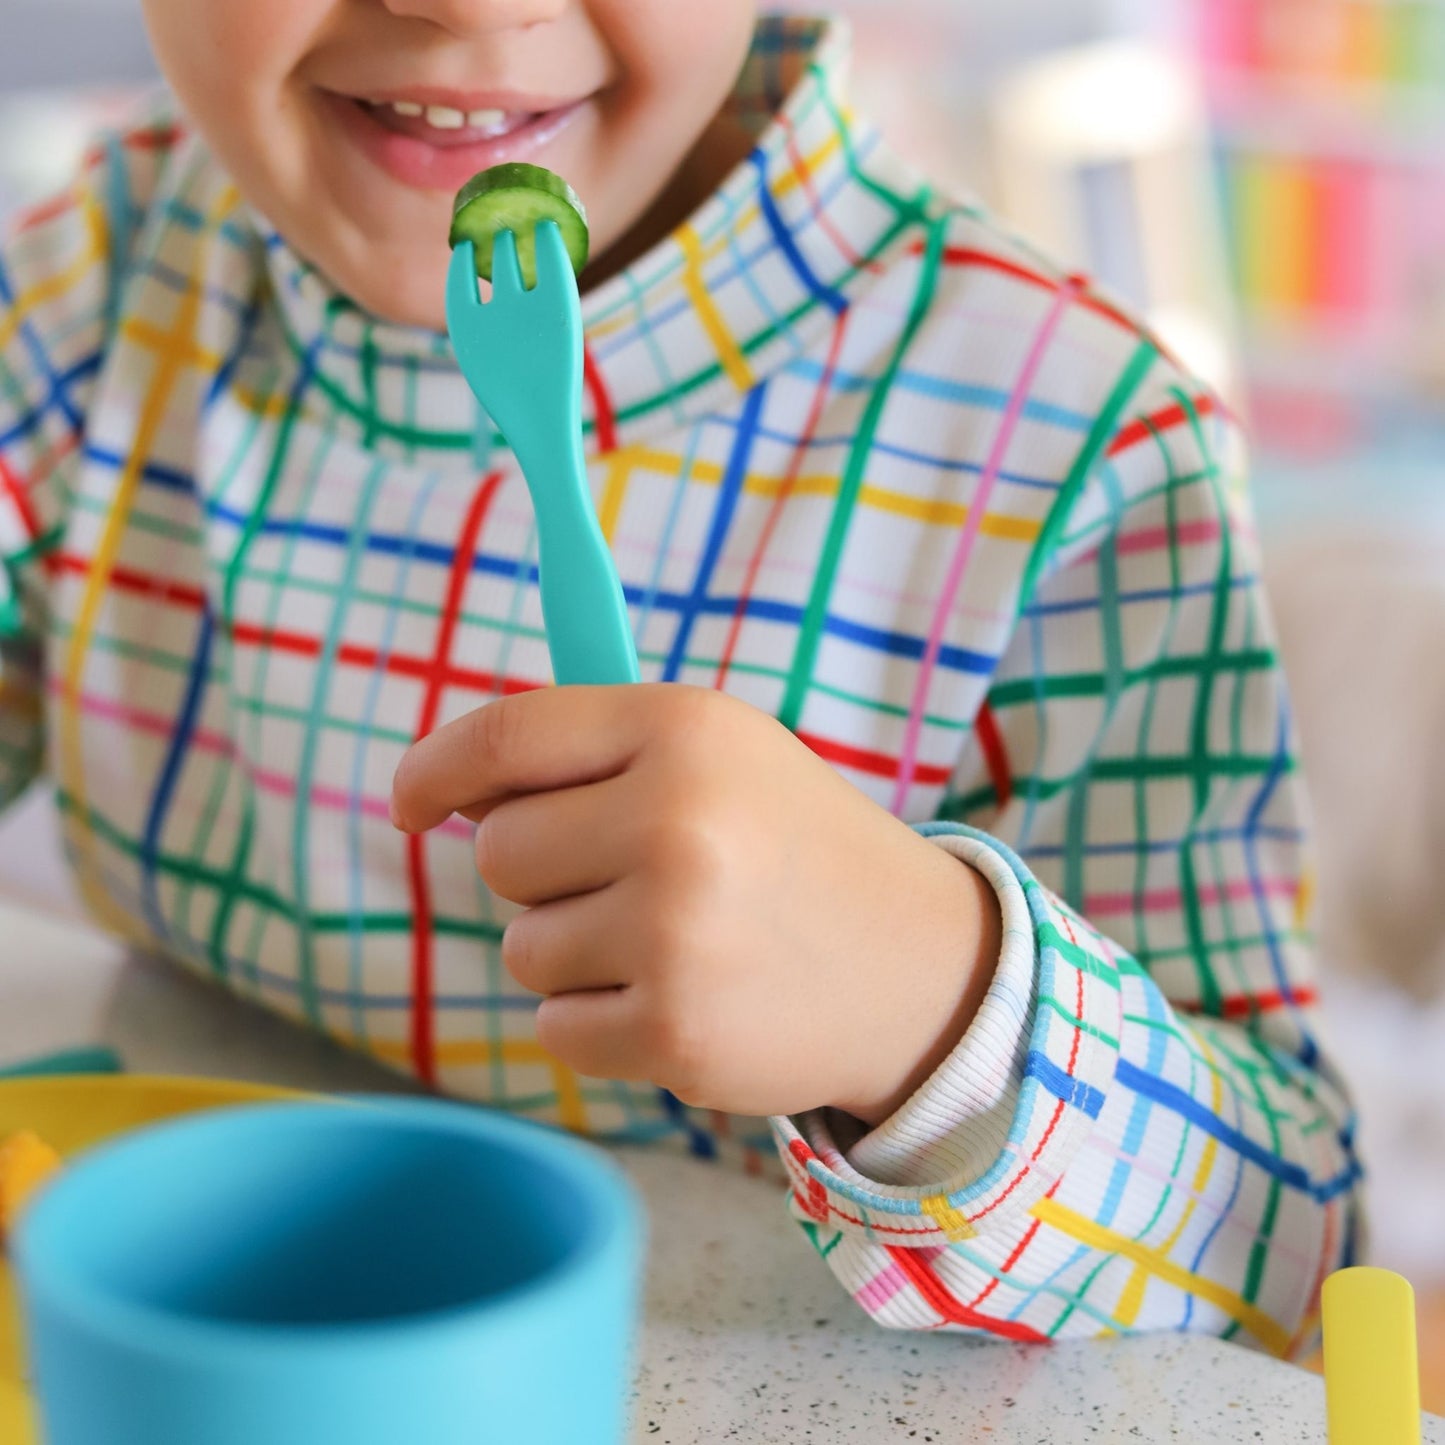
<point x="955" y="827"/>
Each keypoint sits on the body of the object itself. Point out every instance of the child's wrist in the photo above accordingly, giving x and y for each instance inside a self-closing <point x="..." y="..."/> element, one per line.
<point x="953" y="939"/>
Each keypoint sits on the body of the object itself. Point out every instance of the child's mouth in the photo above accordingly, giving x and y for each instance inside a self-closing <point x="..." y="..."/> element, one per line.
<point x="435" y="145"/>
<point x="444" y="125"/>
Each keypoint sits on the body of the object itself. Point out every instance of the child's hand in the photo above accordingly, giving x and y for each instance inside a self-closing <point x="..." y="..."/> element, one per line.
<point x="711" y="908"/>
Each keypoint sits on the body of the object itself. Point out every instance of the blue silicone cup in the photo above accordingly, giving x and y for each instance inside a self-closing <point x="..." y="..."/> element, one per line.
<point x="367" y="1274"/>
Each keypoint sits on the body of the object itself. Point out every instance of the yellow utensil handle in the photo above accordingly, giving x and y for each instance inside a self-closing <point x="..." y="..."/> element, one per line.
<point x="1372" y="1376"/>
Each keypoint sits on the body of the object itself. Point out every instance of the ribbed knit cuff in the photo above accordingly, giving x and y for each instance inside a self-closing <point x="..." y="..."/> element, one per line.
<point x="998" y="1122"/>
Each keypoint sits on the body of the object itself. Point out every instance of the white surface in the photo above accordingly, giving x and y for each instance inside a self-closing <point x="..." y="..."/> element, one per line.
<point x="747" y="1338"/>
<point x="32" y="865"/>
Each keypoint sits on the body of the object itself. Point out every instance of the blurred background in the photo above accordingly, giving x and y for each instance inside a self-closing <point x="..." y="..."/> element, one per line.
<point x="1264" y="179"/>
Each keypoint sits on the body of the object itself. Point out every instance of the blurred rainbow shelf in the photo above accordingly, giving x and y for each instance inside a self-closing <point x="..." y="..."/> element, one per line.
<point x="1329" y="118"/>
<point x="1385" y="43"/>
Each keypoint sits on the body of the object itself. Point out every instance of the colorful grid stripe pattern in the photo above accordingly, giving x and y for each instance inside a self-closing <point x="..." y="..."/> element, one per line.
<point x="865" y="461"/>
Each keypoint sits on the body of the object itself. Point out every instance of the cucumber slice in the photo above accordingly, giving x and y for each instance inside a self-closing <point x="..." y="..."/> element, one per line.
<point x="515" y="197"/>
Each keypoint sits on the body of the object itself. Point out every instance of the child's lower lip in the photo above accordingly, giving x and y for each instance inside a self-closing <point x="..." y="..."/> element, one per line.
<point x="428" y="167"/>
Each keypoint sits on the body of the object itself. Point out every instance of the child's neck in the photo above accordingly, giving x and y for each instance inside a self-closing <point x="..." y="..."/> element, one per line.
<point x="723" y="145"/>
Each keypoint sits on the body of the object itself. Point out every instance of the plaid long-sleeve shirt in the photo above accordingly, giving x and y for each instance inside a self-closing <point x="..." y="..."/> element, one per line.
<point x="865" y="461"/>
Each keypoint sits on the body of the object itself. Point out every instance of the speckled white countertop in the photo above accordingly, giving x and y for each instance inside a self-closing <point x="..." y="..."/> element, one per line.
<point x="747" y="1337"/>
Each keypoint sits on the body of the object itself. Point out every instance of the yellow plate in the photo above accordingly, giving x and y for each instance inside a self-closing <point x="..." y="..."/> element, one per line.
<point x="71" y="1113"/>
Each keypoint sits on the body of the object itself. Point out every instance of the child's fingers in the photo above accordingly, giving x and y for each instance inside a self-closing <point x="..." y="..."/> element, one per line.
<point x="556" y="737"/>
<point x="569" y="946"/>
<point x="596" y="1034"/>
<point x="541" y="846"/>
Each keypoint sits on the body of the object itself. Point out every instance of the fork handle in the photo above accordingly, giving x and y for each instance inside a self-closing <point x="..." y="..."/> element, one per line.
<point x="589" y="634"/>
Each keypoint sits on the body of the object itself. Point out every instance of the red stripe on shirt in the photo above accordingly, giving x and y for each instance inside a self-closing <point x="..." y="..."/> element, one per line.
<point x="864" y="760"/>
<point x="968" y="256"/>
<point x="423" y="1024"/>
<point x="1146" y="426"/>
<point x="948" y="1305"/>
<point x="995" y="754"/>
<point x="12" y="487"/>
<point x="161" y="589"/>
<point x="602" y="413"/>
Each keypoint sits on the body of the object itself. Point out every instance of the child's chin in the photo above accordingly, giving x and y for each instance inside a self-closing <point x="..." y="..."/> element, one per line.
<point x="403" y="285"/>
<point x="409" y="302"/>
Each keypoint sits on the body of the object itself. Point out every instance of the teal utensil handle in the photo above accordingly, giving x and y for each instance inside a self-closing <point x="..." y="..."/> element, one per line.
<point x="588" y="631"/>
<point x="521" y="353"/>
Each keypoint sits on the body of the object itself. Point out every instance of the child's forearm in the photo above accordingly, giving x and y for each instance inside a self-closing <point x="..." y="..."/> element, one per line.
<point x="948" y="934"/>
<point x="1139" y="1170"/>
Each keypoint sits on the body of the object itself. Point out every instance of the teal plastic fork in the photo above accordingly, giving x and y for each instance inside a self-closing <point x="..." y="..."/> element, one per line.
<point x="521" y="353"/>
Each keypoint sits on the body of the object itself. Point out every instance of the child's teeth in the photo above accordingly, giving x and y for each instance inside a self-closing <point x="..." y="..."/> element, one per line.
<point x="448" y="117"/>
